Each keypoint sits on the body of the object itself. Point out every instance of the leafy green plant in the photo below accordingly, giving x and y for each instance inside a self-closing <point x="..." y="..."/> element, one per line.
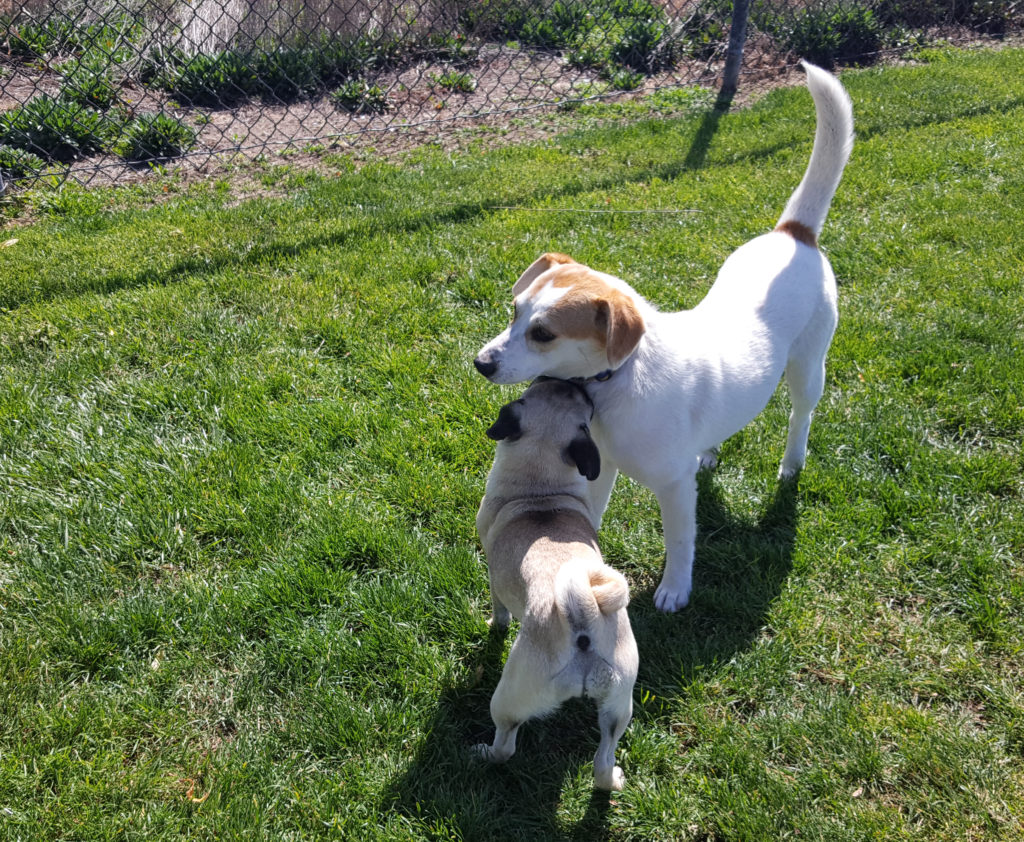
<point x="53" y="128"/>
<point x="218" y="79"/>
<point x="288" y="73"/>
<point x="993" y="17"/>
<point x="26" y="38"/>
<point x="705" y="30"/>
<point x="600" y="33"/>
<point x="559" y="25"/>
<point x="281" y="73"/>
<point x="456" y="81"/>
<point x="154" y="136"/>
<point x="647" y="42"/>
<point x="111" y="38"/>
<point x="17" y="163"/>
<point x="87" y="81"/>
<point x="359" y="96"/>
<point x="623" y="78"/>
<point x="832" y="34"/>
<point x="452" y="47"/>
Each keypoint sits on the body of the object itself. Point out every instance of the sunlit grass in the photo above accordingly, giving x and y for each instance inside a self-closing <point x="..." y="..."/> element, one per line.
<point x="241" y="449"/>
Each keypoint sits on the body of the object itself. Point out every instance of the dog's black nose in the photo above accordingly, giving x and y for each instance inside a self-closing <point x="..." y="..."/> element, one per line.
<point x="485" y="367"/>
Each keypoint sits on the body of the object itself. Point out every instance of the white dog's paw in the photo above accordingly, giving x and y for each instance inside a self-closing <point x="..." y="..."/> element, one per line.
<point x="670" y="599"/>
<point x="611" y="779"/>
<point x="787" y="472"/>
<point x="707" y="460"/>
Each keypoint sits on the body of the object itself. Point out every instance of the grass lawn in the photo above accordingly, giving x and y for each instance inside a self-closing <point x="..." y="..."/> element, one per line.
<point x="242" y="445"/>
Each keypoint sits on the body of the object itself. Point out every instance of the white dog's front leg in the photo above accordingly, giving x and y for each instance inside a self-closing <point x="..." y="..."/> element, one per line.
<point x="678" y="504"/>
<point x="599" y="491"/>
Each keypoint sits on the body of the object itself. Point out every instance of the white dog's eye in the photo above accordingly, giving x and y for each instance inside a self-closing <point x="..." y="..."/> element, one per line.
<point x="541" y="334"/>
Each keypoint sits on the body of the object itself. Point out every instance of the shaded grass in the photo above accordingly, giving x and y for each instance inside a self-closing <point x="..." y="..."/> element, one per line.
<point x="241" y="450"/>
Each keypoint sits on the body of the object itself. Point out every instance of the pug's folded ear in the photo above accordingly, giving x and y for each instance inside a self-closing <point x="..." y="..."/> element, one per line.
<point x="583" y="453"/>
<point x="507" y="427"/>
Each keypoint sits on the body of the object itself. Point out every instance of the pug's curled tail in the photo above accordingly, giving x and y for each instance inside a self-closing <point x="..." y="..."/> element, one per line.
<point x="584" y="591"/>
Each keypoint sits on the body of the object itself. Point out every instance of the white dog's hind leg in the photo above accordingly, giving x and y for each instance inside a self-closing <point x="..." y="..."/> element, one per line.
<point x="504" y="745"/>
<point x="678" y="504"/>
<point x="806" y="382"/>
<point x="708" y="460"/>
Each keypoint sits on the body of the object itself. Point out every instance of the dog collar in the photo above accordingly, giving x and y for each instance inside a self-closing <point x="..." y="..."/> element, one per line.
<point x="600" y="377"/>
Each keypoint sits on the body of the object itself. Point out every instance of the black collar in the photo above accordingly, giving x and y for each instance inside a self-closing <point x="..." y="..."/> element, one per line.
<point x="600" y="377"/>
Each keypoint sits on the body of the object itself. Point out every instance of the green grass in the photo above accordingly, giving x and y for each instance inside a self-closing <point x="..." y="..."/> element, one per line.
<point x="241" y="449"/>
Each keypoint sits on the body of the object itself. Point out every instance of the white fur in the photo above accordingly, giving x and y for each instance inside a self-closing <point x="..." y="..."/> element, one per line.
<point x="695" y="377"/>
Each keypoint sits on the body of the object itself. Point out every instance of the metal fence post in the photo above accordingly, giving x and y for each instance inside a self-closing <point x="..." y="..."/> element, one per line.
<point x="734" y="52"/>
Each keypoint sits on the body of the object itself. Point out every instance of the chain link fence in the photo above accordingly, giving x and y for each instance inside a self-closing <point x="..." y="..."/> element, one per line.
<point x="94" y="90"/>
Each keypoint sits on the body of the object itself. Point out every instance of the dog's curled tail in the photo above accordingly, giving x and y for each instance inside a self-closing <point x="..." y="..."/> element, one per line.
<point x="583" y="591"/>
<point x="833" y="140"/>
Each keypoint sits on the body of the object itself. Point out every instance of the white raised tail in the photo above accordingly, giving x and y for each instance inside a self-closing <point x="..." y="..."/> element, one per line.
<point x="833" y="140"/>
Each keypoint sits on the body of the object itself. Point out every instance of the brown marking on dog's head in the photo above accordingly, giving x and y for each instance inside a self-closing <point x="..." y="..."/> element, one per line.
<point x="799" y="232"/>
<point x="538" y="268"/>
<point x="593" y="309"/>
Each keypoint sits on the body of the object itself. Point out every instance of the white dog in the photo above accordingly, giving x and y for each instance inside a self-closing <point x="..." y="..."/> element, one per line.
<point x="535" y="524"/>
<point x="670" y="387"/>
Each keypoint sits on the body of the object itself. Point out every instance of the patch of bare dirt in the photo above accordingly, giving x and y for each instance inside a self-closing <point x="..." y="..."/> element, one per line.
<point x="514" y="94"/>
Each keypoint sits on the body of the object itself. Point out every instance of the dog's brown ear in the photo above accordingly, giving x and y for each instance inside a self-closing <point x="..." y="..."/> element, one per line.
<point x="538" y="268"/>
<point x="583" y="453"/>
<point x="622" y="324"/>
<point x="507" y="427"/>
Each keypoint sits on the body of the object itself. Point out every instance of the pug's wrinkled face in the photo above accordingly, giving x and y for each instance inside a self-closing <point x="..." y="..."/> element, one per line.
<point x="551" y="420"/>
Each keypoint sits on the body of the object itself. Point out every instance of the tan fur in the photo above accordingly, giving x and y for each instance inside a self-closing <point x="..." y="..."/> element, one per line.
<point x="541" y="265"/>
<point x="625" y="326"/>
<point x="593" y="309"/>
<point x="799" y="232"/>
<point x="545" y="567"/>
<point x="610" y="590"/>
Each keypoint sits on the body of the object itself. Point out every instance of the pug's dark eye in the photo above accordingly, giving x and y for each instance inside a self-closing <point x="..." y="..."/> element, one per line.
<point x="541" y="334"/>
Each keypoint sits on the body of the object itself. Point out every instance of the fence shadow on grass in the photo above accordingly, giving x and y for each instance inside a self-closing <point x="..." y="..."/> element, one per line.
<point x="741" y="568"/>
<point x="709" y="121"/>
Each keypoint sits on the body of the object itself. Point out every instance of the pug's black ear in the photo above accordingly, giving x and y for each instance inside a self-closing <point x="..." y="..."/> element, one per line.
<point x="583" y="453"/>
<point x="506" y="428"/>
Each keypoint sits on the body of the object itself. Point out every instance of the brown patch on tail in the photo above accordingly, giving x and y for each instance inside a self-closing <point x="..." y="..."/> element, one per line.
<point x="799" y="232"/>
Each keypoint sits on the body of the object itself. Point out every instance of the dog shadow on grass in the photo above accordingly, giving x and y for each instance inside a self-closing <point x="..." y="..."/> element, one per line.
<point x="545" y="790"/>
<point x="448" y="792"/>
<point x="740" y="569"/>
